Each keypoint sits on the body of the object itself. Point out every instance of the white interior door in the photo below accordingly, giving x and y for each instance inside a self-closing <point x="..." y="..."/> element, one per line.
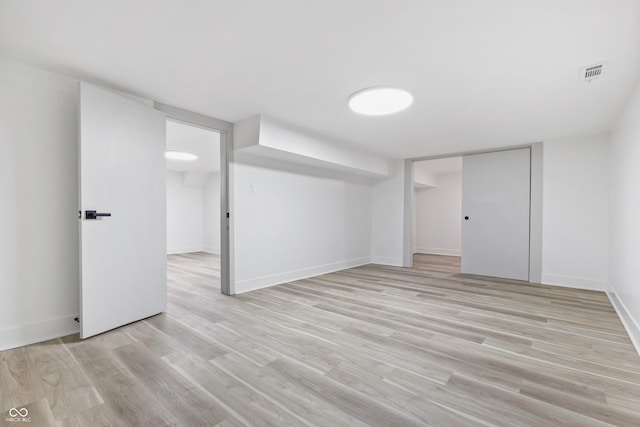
<point x="122" y="173"/>
<point x="496" y="191"/>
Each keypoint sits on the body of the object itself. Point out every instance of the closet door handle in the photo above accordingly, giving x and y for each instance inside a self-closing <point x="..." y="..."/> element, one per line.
<point x="95" y="215"/>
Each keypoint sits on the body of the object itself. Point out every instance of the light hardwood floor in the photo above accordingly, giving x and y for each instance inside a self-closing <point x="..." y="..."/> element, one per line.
<point x="372" y="345"/>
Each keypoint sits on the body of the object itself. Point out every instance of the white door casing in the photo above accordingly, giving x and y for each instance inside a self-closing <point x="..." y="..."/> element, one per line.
<point x="122" y="172"/>
<point x="496" y="200"/>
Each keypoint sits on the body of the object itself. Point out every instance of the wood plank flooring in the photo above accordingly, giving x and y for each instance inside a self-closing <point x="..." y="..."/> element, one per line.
<point x="373" y="345"/>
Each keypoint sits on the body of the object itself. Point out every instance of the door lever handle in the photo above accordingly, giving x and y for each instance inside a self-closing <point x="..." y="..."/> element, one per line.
<point x="94" y="214"/>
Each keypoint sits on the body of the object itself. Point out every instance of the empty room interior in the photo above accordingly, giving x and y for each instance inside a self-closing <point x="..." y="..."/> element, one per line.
<point x="285" y="213"/>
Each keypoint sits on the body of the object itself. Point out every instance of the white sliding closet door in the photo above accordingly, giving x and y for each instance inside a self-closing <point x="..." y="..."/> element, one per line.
<point x="496" y="191"/>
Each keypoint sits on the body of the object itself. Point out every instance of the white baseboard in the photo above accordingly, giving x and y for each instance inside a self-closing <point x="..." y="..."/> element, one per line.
<point x="32" y="333"/>
<point x="211" y="250"/>
<point x="172" y="251"/>
<point x="630" y="324"/>
<point x="574" y="282"/>
<point x="383" y="260"/>
<point x="277" y="279"/>
<point x="438" y="251"/>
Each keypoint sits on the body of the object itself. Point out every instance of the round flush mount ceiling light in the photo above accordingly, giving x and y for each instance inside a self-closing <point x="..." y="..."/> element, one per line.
<point x="179" y="155"/>
<point x="378" y="101"/>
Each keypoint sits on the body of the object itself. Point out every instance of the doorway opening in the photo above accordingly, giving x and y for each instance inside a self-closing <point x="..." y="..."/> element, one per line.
<point x="437" y="207"/>
<point x="499" y="233"/>
<point x="193" y="213"/>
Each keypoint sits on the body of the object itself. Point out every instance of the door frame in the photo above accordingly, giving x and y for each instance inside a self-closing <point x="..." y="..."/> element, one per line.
<point x="225" y="129"/>
<point x="535" y="206"/>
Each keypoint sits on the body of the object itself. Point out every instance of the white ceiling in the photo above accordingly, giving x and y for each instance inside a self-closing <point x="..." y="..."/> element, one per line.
<point x="203" y="143"/>
<point x="483" y="73"/>
<point x="438" y="166"/>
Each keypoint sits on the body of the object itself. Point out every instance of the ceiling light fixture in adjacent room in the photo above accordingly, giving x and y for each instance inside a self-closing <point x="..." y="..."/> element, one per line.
<point x="180" y="155"/>
<point x="378" y="101"/>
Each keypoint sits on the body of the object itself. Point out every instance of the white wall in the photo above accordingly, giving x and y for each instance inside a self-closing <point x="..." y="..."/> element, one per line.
<point x="185" y="219"/>
<point x="193" y="214"/>
<point x="39" y="270"/>
<point x="575" y="220"/>
<point x="296" y="224"/>
<point x="438" y="213"/>
<point x="624" y="257"/>
<point x="387" y="218"/>
<point x="211" y="220"/>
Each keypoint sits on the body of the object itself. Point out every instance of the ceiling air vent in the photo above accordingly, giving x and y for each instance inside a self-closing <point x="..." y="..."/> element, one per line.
<point x="591" y="72"/>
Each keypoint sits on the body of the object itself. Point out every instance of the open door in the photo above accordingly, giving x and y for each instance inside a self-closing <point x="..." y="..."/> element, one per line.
<point x="496" y="190"/>
<point x="122" y="211"/>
